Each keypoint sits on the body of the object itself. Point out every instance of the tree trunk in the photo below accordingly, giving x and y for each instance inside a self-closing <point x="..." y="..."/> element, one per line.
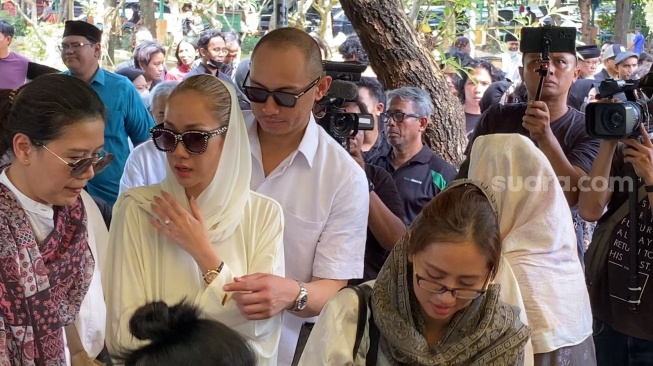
<point x="414" y="10"/>
<point x="622" y="22"/>
<point x="149" y="15"/>
<point x="586" y="16"/>
<point x="324" y="7"/>
<point x="64" y="13"/>
<point x="399" y="59"/>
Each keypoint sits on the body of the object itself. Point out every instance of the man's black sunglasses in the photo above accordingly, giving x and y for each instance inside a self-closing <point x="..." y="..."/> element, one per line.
<point x="283" y="99"/>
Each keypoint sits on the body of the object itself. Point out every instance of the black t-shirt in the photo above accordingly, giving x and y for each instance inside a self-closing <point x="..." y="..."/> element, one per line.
<point x="381" y="147"/>
<point x="613" y="308"/>
<point x="569" y="130"/>
<point x="419" y="180"/>
<point x="471" y="120"/>
<point x="375" y="254"/>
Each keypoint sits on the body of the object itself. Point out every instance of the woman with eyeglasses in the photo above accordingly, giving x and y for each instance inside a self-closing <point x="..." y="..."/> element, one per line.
<point x="53" y="239"/>
<point x="201" y="228"/>
<point x="432" y="302"/>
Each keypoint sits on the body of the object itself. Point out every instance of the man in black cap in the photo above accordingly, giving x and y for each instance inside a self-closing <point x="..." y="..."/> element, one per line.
<point x="609" y="65"/>
<point x="511" y="60"/>
<point x="590" y="58"/>
<point x="127" y="117"/>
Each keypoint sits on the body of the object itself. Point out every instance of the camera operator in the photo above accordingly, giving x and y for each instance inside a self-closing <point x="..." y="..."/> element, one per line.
<point x="621" y="336"/>
<point x="370" y="92"/>
<point x="385" y="224"/>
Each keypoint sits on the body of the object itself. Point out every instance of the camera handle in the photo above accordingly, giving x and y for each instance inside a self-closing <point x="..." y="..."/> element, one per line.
<point x="544" y="64"/>
<point x="634" y="290"/>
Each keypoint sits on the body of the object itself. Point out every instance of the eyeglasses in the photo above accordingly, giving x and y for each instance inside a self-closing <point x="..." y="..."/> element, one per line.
<point x="438" y="289"/>
<point x="398" y="116"/>
<point x="283" y="99"/>
<point x="195" y="142"/>
<point x="99" y="163"/>
<point x="74" y="46"/>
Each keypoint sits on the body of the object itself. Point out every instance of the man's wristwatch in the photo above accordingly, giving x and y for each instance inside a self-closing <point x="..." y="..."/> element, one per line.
<point x="302" y="299"/>
<point x="211" y="274"/>
<point x="371" y="185"/>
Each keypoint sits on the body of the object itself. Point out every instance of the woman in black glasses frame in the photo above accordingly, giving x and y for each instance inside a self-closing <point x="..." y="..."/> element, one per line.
<point x="53" y="236"/>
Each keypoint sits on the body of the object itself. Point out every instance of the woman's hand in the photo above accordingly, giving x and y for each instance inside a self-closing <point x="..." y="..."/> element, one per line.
<point x="640" y="154"/>
<point x="187" y="229"/>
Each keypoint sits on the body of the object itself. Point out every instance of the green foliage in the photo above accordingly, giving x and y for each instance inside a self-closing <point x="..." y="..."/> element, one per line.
<point x="638" y="17"/>
<point x="18" y="22"/>
<point x="248" y="44"/>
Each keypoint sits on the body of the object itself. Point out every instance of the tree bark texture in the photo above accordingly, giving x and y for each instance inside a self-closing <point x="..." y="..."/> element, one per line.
<point x="399" y="59"/>
<point x="586" y="16"/>
<point x="622" y="22"/>
<point x="149" y="15"/>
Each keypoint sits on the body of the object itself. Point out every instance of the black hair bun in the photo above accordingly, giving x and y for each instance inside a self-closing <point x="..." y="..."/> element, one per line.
<point x="157" y="321"/>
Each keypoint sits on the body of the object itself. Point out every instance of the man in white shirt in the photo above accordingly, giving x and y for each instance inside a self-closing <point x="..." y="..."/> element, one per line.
<point x="323" y="192"/>
<point x="511" y="61"/>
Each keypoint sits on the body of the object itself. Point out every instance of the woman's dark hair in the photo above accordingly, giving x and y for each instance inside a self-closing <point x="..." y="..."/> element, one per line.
<point x="45" y="107"/>
<point x="130" y="73"/>
<point x="179" y="337"/>
<point x="458" y="214"/>
<point x="461" y="42"/>
<point x="352" y="47"/>
<point x="184" y="40"/>
<point x="495" y="74"/>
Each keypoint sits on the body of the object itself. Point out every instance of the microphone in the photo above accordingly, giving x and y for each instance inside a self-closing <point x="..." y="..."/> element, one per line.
<point x="341" y="89"/>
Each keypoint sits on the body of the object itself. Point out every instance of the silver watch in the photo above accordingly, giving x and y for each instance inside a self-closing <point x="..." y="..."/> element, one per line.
<point x="302" y="299"/>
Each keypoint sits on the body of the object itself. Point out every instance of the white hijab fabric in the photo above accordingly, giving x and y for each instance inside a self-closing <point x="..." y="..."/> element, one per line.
<point x="222" y="203"/>
<point x="538" y="237"/>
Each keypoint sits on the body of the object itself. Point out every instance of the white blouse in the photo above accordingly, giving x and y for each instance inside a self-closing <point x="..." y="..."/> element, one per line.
<point x="90" y="322"/>
<point x="146" y="266"/>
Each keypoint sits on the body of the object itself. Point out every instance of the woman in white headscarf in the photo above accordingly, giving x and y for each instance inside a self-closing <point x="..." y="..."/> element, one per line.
<point x="539" y="244"/>
<point x="201" y="228"/>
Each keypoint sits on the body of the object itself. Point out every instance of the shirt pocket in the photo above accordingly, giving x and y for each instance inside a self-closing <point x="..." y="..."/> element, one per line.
<point x="300" y="239"/>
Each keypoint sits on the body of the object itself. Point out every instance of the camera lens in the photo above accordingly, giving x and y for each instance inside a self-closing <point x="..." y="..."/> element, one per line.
<point x="343" y="125"/>
<point x="612" y="120"/>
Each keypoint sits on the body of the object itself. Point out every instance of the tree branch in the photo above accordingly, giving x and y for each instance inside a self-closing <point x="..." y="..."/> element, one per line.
<point x="30" y="22"/>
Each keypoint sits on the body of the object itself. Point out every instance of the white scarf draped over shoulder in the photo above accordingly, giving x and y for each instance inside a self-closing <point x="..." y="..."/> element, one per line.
<point x="223" y="202"/>
<point x="538" y="238"/>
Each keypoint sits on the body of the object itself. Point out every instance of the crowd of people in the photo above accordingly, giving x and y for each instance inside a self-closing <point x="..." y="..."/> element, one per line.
<point x="203" y="215"/>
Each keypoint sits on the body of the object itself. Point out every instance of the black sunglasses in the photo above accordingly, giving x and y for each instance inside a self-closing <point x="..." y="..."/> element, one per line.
<point x="283" y="99"/>
<point x="79" y="167"/>
<point x="195" y="142"/>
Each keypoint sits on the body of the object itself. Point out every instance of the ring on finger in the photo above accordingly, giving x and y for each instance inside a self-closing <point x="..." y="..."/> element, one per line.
<point x="167" y="221"/>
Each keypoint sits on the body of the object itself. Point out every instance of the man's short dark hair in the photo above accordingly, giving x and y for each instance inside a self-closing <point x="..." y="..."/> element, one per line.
<point x="352" y="47"/>
<point x="375" y="88"/>
<point x="207" y="36"/>
<point x="6" y="29"/>
<point x="284" y="38"/>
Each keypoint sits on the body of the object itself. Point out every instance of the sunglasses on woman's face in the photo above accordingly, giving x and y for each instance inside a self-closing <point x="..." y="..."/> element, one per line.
<point x="283" y="99"/>
<point x="78" y="168"/>
<point x="195" y="142"/>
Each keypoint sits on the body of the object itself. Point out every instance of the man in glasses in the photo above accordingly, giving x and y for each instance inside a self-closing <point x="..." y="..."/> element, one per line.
<point x="589" y="60"/>
<point x="127" y="117"/>
<point x="213" y="50"/>
<point x="418" y="172"/>
<point x="323" y="192"/>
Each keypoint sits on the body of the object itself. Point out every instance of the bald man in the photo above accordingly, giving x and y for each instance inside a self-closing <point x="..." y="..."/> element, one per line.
<point x="293" y="160"/>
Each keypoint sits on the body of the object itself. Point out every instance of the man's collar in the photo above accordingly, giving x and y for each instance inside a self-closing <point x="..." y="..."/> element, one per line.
<point x="307" y="146"/>
<point x="100" y="76"/>
<point x="422" y="157"/>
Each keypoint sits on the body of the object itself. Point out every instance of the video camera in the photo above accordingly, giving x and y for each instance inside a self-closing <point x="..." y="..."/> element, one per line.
<point x="621" y="119"/>
<point x="341" y="125"/>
